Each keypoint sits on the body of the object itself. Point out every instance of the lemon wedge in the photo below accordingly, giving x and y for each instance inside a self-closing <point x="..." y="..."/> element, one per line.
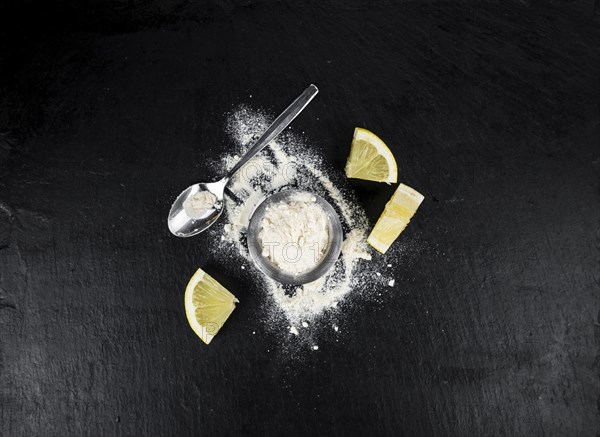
<point x="207" y="305"/>
<point x="371" y="159"/>
<point x="395" y="217"/>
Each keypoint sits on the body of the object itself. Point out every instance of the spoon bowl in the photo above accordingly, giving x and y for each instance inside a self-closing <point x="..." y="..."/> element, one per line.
<point x="181" y="224"/>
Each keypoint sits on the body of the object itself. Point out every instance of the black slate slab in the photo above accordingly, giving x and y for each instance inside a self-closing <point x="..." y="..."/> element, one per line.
<point x="108" y="109"/>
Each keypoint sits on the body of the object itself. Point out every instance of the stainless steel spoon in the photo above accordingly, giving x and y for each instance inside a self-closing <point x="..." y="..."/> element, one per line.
<point x="181" y="224"/>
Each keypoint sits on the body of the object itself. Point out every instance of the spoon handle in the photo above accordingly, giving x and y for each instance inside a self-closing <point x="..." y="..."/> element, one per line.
<point x="277" y="126"/>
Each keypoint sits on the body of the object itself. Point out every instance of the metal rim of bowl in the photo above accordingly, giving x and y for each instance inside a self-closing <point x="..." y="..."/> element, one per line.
<point x="264" y="265"/>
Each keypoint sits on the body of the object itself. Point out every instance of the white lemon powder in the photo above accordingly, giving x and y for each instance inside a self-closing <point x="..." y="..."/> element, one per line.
<point x="294" y="234"/>
<point x="197" y="204"/>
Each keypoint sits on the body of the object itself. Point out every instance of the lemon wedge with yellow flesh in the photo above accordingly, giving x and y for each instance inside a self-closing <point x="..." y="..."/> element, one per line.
<point x="207" y="305"/>
<point x="396" y="215"/>
<point x="371" y="159"/>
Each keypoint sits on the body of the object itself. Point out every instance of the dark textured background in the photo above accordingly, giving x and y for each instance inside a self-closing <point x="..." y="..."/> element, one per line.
<point x="109" y="108"/>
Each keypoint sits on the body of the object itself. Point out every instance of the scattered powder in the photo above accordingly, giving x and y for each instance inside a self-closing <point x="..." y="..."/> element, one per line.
<point x="199" y="203"/>
<point x="354" y="246"/>
<point x="290" y="162"/>
<point x="294" y="234"/>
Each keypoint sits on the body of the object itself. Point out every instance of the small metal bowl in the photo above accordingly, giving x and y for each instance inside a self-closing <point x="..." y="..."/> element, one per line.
<point x="331" y="254"/>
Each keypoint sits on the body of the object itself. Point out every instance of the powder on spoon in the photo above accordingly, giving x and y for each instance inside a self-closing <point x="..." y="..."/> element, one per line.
<point x="196" y="205"/>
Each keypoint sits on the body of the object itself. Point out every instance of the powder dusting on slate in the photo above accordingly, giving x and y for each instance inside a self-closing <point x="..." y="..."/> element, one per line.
<point x="289" y="162"/>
